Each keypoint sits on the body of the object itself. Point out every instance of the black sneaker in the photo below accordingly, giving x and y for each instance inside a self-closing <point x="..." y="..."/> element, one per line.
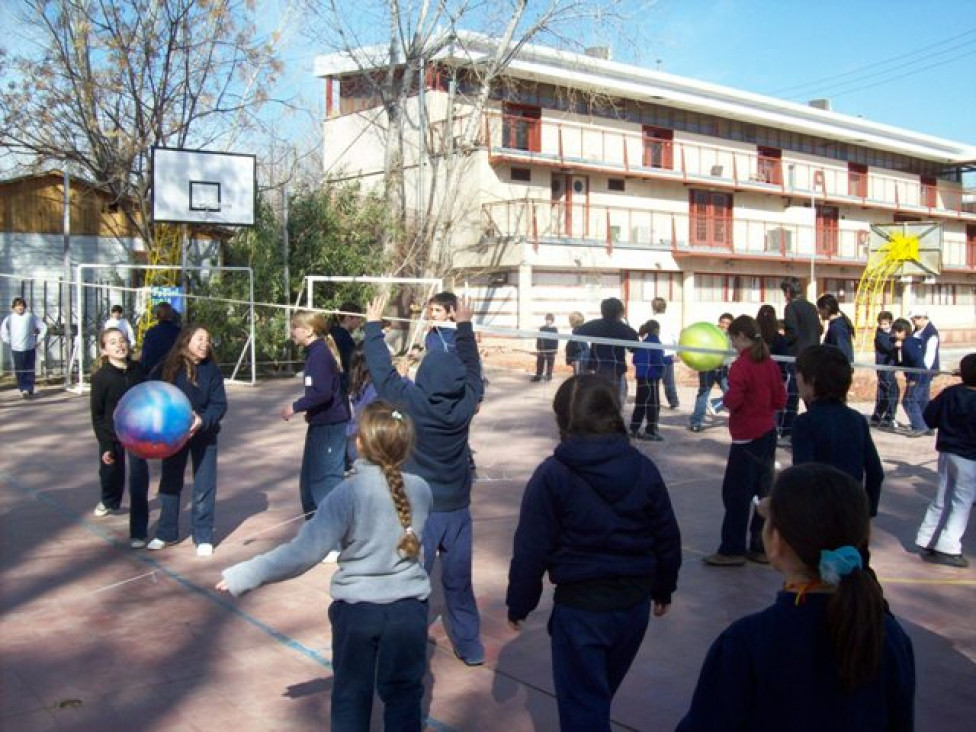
<point x="536" y="378"/>
<point x="949" y="560"/>
<point x="653" y="437"/>
<point x="695" y="428"/>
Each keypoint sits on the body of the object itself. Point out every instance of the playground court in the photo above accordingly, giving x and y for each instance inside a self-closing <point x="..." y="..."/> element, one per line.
<point x="96" y="636"/>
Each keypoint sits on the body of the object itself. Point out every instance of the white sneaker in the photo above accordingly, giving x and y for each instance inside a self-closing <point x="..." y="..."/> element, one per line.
<point x="156" y="544"/>
<point x="137" y="543"/>
<point x="331" y="558"/>
<point x="101" y="510"/>
<point x="204" y="550"/>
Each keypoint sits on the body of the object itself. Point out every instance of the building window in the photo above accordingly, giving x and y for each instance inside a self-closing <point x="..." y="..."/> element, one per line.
<point x="710" y="219"/>
<point x="843" y="290"/>
<point x="521" y="175"/>
<point x="770" y="165"/>
<point x="971" y="246"/>
<point x="521" y="127"/>
<point x="827" y="235"/>
<point x="930" y="192"/>
<point x="857" y="180"/>
<point x="940" y="294"/>
<point x="616" y="184"/>
<point x="658" y="148"/>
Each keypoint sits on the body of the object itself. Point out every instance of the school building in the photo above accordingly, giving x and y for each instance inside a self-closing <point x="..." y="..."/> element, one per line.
<point x="581" y="178"/>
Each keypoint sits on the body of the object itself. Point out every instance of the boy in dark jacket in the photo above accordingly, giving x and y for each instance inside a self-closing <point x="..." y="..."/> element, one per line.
<point x="911" y="356"/>
<point x="953" y="414"/>
<point x="597" y="517"/>
<point x="829" y="431"/>
<point x="648" y="372"/>
<point x="885" y="354"/>
<point x="545" y="350"/>
<point x="441" y="400"/>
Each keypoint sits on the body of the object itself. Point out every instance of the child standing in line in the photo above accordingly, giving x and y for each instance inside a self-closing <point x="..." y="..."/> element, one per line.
<point x="756" y="392"/>
<point x="325" y="408"/>
<point x="826" y="654"/>
<point x="115" y="374"/>
<point x="577" y="352"/>
<point x="911" y="356"/>
<point x="597" y="517"/>
<point x="380" y="590"/>
<point x="193" y="369"/>
<point x="441" y="309"/>
<point x="830" y="431"/>
<point x="840" y="329"/>
<point x="117" y="320"/>
<point x="953" y="414"/>
<point x="648" y="370"/>
<point x="885" y="354"/>
<point x="545" y="349"/>
<point x="441" y="401"/>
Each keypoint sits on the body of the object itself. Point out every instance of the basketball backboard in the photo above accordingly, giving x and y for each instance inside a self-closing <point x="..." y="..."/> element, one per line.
<point x="196" y="186"/>
<point x="916" y="246"/>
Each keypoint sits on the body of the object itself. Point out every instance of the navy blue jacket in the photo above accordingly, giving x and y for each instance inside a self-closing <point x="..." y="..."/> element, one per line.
<point x="547" y="345"/>
<point x="207" y="396"/>
<point x="885" y="352"/>
<point x="157" y="343"/>
<point x="595" y="513"/>
<point x="953" y="414"/>
<point x="604" y="358"/>
<point x="911" y="357"/>
<point x="324" y="401"/>
<point x="833" y="433"/>
<point x="441" y="401"/>
<point x="649" y="362"/>
<point x="839" y="334"/>
<point x="929" y="338"/>
<point x="776" y="670"/>
<point x="802" y="325"/>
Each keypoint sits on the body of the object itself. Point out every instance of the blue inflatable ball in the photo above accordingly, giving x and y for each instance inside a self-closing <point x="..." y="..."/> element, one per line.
<point x="153" y="420"/>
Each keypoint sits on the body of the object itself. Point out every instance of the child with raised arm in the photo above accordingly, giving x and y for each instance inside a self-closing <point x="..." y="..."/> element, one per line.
<point x="953" y="414"/>
<point x="827" y="654"/>
<point x="830" y="431"/>
<point x="115" y="374"/>
<point x="380" y="590"/>
<point x="597" y="517"/>
<point x="755" y="393"/>
<point x="442" y="400"/>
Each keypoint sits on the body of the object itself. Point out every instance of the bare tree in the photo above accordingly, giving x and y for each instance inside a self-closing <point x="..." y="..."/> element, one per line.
<point x="109" y="79"/>
<point x="417" y="32"/>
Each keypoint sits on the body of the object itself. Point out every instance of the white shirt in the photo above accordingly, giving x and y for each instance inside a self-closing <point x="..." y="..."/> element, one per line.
<point x="123" y="325"/>
<point x="21" y="332"/>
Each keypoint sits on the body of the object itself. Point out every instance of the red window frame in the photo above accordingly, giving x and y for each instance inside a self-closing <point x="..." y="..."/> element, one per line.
<point x="857" y="180"/>
<point x="929" y="194"/>
<point x="710" y="218"/>
<point x="658" y="148"/>
<point x="828" y="218"/>
<point x="769" y="166"/>
<point x="522" y="127"/>
<point x="971" y="246"/>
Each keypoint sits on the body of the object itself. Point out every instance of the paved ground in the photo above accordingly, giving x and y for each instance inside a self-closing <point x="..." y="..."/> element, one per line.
<point x="96" y="636"/>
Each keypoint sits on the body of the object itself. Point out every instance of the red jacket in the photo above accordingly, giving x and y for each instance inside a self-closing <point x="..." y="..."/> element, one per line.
<point x="756" y="392"/>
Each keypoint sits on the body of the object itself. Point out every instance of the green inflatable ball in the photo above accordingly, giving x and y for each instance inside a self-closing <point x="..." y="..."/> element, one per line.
<point x="703" y="335"/>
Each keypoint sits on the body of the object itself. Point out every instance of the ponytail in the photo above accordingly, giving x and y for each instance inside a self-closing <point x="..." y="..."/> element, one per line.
<point x="745" y="326"/>
<point x="855" y="624"/>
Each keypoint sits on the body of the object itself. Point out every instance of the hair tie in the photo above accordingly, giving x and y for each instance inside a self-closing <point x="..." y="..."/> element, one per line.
<point x="396" y="415"/>
<point x="838" y="563"/>
<point x="409" y="530"/>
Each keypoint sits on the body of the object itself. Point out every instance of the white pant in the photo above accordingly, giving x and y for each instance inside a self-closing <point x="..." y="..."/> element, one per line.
<point x="946" y="518"/>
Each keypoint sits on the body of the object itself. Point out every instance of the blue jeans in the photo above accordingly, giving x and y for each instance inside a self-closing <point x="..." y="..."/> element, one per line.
<point x="912" y="402"/>
<point x="670" y="390"/>
<point x="591" y="653"/>
<point x="748" y="473"/>
<point x="924" y="391"/>
<point x="24" y="369"/>
<point x="202" y="451"/>
<point x="112" y="479"/>
<point x="323" y="464"/>
<point x="381" y="648"/>
<point x="448" y="534"/>
<point x="706" y="380"/>
<point x="886" y="400"/>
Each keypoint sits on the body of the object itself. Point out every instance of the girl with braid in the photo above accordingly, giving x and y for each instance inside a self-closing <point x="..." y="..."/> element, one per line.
<point x="380" y="589"/>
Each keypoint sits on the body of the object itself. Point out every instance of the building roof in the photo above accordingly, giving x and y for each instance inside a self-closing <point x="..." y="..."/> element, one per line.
<point x="565" y="69"/>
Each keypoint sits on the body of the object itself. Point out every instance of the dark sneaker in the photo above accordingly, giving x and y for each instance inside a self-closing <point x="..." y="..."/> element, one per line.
<point x="949" y="560"/>
<point x="653" y="437"/>
<point x="475" y="659"/>
<point x="536" y="378"/>
<point x="724" y="560"/>
<point x="695" y="428"/>
<point x="917" y="433"/>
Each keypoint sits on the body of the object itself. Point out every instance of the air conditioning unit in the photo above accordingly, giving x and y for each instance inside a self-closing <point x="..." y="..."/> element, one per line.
<point x="779" y="240"/>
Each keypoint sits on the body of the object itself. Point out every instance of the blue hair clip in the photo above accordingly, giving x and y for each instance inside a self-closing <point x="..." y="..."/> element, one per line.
<point x="838" y="563"/>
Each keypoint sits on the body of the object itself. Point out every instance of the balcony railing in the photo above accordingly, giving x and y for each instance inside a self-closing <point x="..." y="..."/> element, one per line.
<point x="548" y="222"/>
<point x="630" y="152"/>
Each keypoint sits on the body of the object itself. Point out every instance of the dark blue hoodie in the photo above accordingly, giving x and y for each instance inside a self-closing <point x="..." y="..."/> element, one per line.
<point x="441" y="401"/>
<point x="597" y="517"/>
